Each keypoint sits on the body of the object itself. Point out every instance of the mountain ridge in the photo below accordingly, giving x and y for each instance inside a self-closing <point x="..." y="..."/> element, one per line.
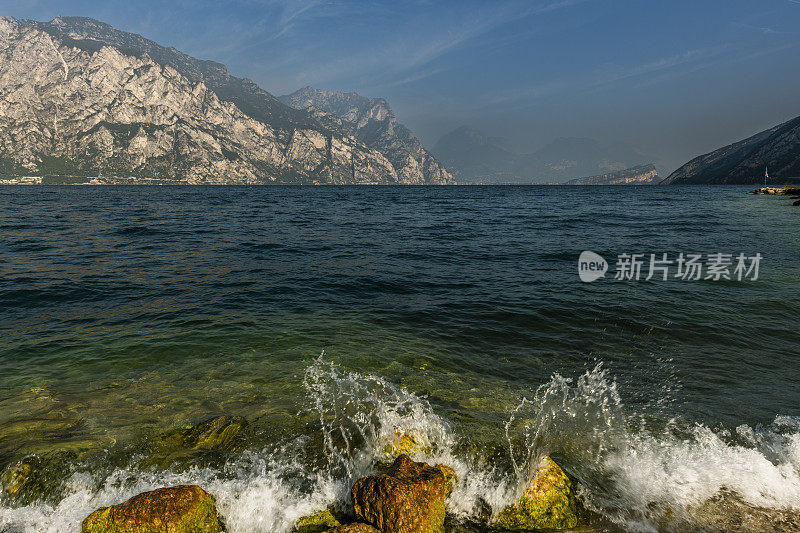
<point x="744" y="162"/>
<point x="371" y="121"/>
<point x="471" y="155"/>
<point x="638" y="175"/>
<point x="78" y="97"/>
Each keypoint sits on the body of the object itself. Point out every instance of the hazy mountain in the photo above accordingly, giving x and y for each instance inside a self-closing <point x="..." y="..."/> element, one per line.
<point x="372" y="122"/>
<point x="640" y="175"/>
<point x="79" y="97"/>
<point x="473" y="156"/>
<point x="744" y="161"/>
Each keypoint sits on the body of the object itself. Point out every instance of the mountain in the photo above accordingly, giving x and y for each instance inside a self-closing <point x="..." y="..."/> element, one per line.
<point x="372" y="122"/>
<point x="640" y="175"/>
<point x="744" y="161"/>
<point x="473" y="156"/>
<point x="78" y="97"/>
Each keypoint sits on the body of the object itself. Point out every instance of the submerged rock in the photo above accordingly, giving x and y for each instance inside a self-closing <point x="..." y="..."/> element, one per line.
<point x="727" y="512"/>
<point x="548" y="502"/>
<point x="180" y="509"/>
<point x="17" y="476"/>
<point x="316" y="523"/>
<point x="407" y="498"/>
<point x="187" y="446"/>
<point x="35" y="477"/>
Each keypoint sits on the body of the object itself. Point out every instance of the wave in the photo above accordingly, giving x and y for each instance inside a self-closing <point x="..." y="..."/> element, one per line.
<point x="640" y="475"/>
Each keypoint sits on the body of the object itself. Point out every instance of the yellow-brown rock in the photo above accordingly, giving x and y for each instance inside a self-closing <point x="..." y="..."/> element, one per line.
<point x="180" y="509"/>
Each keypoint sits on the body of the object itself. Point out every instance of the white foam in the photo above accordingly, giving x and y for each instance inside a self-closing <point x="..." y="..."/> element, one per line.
<point x="634" y="478"/>
<point x="638" y="478"/>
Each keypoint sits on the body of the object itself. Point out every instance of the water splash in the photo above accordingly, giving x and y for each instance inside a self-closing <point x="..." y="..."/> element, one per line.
<point x="564" y="417"/>
<point x="360" y="414"/>
<point x="670" y="479"/>
<point x="648" y="479"/>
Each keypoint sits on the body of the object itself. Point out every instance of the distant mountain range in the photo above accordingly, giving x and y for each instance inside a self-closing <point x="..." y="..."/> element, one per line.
<point x="474" y="157"/>
<point x="640" y="175"/>
<point x="373" y="123"/>
<point x="81" y="98"/>
<point x="744" y="162"/>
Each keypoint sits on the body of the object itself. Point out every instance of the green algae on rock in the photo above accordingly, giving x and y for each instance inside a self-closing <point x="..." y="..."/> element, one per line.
<point x="355" y="527"/>
<point x="186" y="446"/>
<point x="316" y="523"/>
<point x="405" y="442"/>
<point x="35" y="477"/>
<point x="407" y="498"/>
<point x="548" y="502"/>
<point x="179" y="509"/>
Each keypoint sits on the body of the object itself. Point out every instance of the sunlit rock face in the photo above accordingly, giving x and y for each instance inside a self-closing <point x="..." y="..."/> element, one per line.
<point x="373" y="123"/>
<point x="78" y="97"/>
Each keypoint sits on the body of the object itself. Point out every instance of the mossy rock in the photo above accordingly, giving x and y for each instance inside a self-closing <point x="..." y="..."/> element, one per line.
<point x="548" y="502"/>
<point x="355" y="527"/>
<point x="180" y="509"/>
<point x="407" y="498"/>
<point x="35" y="477"/>
<point x="405" y="442"/>
<point x="450" y="479"/>
<point x="321" y="521"/>
<point x="191" y="445"/>
<point x="316" y="523"/>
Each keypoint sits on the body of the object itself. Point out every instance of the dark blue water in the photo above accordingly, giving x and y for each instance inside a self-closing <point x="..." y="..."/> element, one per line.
<point x="127" y="311"/>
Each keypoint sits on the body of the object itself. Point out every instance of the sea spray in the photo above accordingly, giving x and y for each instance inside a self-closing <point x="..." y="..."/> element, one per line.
<point x="564" y="417"/>
<point x="651" y="475"/>
<point x="641" y="479"/>
<point x="359" y="414"/>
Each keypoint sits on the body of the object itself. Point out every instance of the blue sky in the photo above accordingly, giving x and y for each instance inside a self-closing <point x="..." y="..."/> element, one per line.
<point x="675" y="79"/>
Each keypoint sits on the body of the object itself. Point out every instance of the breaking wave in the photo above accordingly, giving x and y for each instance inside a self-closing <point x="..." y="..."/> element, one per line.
<point x="632" y="472"/>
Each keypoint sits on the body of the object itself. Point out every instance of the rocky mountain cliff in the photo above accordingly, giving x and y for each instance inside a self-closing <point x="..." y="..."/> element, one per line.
<point x="639" y="175"/>
<point x="744" y="161"/>
<point x="472" y="156"/>
<point x="372" y="122"/>
<point x="78" y="97"/>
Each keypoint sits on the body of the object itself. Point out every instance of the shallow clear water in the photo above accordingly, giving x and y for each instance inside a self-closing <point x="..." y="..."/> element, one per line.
<point x="126" y="312"/>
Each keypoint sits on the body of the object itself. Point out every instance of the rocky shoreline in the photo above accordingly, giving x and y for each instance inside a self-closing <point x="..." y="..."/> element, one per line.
<point x="402" y="495"/>
<point x="786" y="190"/>
<point x="408" y="497"/>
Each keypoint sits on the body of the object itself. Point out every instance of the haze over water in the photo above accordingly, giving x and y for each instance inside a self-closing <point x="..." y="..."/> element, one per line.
<point x="128" y="312"/>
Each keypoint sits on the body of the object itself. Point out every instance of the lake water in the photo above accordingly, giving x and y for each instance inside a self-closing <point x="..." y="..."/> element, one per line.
<point x="453" y="313"/>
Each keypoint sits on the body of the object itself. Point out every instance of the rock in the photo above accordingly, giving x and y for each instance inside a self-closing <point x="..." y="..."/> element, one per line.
<point x="405" y="442"/>
<point x="189" y="446"/>
<point x="35" y="477"/>
<point x="16" y="476"/>
<point x="548" y="502"/>
<point x="180" y="509"/>
<point x="778" y="191"/>
<point x="355" y="527"/>
<point x="407" y="498"/>
<point x="796" y="202"/>
<point x="726" y="512"/>
<point x="450" y="479"/>
<point x="316" y="523"/>
<point x="218" y="433"/>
